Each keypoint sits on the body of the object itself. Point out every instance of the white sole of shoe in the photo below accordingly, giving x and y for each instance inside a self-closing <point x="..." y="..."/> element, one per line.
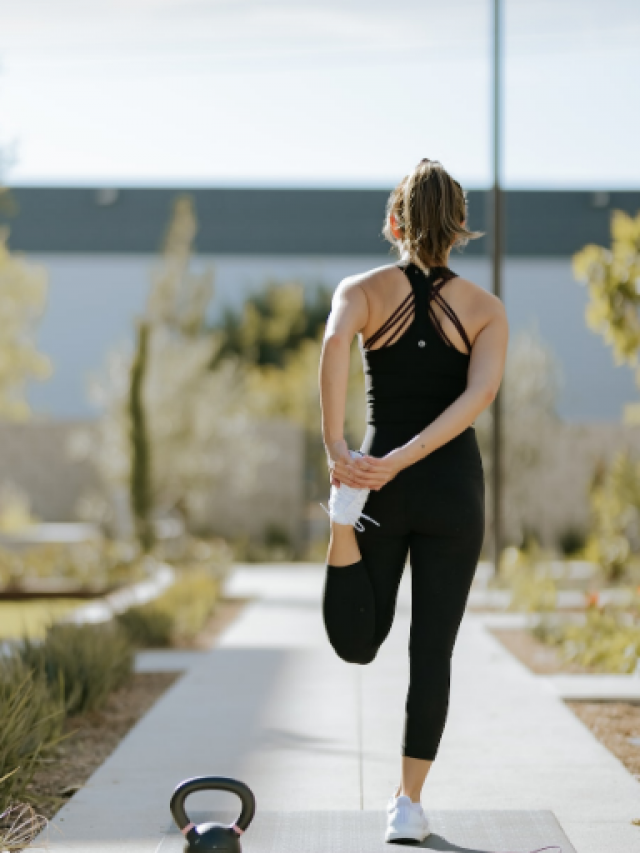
<point x="396" y="836"/>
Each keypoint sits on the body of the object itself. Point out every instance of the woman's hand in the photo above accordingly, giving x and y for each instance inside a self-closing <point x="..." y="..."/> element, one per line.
<point x="340" y="463"/>
<point x="373" y="473"/>
<point x="364" y="472"/>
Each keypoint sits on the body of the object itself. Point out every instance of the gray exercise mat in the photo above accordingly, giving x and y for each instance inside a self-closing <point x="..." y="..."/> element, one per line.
<point x="504" y="831"/>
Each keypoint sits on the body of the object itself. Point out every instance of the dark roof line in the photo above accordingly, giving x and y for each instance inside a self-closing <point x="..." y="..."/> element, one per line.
<point x="293" y="221"/>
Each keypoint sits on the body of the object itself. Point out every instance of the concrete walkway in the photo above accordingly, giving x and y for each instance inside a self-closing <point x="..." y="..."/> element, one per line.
<point x="274" y="706"/>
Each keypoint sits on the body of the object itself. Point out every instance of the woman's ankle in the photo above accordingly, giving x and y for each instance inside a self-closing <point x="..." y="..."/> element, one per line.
<point x="413" y="795"/>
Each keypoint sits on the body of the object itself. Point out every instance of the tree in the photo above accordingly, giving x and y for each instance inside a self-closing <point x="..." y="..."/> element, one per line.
<point x="23" y="294"/>
<point x="612" y="276"/>
<point x="173" y="425"/>
<point x="274" y="323"/>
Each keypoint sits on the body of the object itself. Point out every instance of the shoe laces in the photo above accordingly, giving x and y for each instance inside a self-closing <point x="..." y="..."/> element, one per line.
<point x="347" y="502"/>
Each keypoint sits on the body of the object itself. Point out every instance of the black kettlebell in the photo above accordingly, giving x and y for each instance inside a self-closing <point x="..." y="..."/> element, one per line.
<point x="212" y="836"/>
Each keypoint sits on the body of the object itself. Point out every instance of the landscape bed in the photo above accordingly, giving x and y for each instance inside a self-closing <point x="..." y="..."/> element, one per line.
<point x="612" y="723"/>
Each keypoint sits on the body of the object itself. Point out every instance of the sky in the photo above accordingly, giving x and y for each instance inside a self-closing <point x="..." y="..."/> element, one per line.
<point x="344" y="93"/>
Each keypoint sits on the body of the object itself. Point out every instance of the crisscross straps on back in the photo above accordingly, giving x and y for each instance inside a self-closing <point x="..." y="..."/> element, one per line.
<point x="401" y="318"/>
<point x="436" y="296"/>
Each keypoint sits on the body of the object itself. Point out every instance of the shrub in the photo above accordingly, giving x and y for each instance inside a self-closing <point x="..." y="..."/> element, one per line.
<point x="571" y="540"/>
<point x="615" y="506"/>
<point x="19" y="826"/>
<point x="147" y="626"/>
<point x="528" y="576"/>
<point x="606" y="640"/>
<point x="32" y="714"/>
<point x="89" y="661"/>
<point x="193" y="599"/>
<point x="179" y="613"/>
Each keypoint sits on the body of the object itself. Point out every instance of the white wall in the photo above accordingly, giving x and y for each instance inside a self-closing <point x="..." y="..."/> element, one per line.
<point x="93" y="299"/>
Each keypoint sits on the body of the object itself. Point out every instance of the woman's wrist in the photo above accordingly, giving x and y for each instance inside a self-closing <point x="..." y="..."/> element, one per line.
<point x="334" y="446"/>
<point x="412" y="451"/>
<point x="398" y="459"/>
<point x="332" y="440"/>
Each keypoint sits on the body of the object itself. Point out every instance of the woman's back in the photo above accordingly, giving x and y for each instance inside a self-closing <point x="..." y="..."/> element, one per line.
<point x="415" y="348"/>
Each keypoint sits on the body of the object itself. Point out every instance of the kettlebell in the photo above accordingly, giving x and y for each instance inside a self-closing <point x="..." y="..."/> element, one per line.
<point x="212" y="836"/>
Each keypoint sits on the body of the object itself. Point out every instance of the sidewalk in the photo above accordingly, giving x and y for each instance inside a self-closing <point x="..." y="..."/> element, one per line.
<point x="274" y="706"/>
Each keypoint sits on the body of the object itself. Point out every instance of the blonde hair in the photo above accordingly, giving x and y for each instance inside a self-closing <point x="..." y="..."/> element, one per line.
<point x="429" y="207"/>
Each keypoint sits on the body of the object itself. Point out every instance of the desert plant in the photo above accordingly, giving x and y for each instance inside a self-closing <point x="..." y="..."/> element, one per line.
<point x="273" y="323"/>
<point x="178" y="614"/>
<point x="15" y="508"/>
<point x="611" y="276"/>
<point x="94" y="565"/>
<point x="614" y="537"/>
<point x="527" y="574"/>
<point x="20" y="824"/>
<point x="197" y="426"/>
<point x="32" y="713"/>
<point x="147" y="626"/>
<point x="88" y="660"/>
<point x="605" y="640"/>
<point x="193" y="599"/>
<point x="23" y="293"/>
<point x="140" y="477"/>
<point x="571" y="540"/>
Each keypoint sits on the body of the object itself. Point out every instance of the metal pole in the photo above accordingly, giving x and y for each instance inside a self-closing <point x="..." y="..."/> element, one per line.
<point x="496" y="259"/>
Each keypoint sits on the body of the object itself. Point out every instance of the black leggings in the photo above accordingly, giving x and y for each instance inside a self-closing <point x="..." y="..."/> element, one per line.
<point x="432" y="512"/>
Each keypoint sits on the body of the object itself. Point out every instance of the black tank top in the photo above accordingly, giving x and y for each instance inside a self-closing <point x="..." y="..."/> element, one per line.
<point x="417" y="373"/>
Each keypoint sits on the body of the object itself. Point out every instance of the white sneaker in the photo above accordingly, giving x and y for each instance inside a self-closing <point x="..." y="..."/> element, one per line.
<point x="407" y="821"/>
<point x="345" y="503"/>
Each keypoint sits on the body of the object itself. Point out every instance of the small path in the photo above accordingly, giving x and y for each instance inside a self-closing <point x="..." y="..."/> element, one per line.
<point x="273" y="705"/>
<point x="595" y="688"/>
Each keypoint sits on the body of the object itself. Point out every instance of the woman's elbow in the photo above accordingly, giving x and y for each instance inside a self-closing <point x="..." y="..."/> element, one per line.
<point x="490" y="393"/>
<point x="336" y="341"/>
<point x="486" y="394"/>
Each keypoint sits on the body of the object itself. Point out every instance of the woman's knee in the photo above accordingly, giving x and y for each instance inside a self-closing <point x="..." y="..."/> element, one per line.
<point x="353" y="654"/>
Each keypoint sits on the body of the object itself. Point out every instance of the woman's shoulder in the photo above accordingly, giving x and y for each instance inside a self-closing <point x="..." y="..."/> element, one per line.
<point x="376" y="283"/>
<point x="371" y="278"/>
<point x="475" y="297"/>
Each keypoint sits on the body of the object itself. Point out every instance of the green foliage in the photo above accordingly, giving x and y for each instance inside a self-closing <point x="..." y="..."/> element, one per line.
<point x="528" y="576"/>
<point x="278" y="336"/>
<point x="572" y="540"/>
<point x="179" y="297"/>
<point x="147" y="626"/>
<point x="23" y="295"/>
<point x="140" y="477"/>
<point x="32" y="714"/>
<point x="89" y="661"/>
<point x="612" y="277"/>
<point x="614" y="539"/>
<point x="274" y="322"/>
<point x="31" y="617"/>
<point x="199" y="428"/>
<point x="275" y="546"/>
<point x="179" y="614"/>
<point x="607" y="640"/>
<point x="20" y="825"/>
<point x="94" y="565"/>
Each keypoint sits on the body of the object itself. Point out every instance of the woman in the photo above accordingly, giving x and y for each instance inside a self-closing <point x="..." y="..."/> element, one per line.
<point x="433" y="346"/>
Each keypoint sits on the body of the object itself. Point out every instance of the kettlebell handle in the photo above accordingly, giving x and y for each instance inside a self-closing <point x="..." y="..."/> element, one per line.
<point x="212" y="783"/>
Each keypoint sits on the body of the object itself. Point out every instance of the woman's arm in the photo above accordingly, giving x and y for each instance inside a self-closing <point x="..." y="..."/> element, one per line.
<point x="486" y="368"/>
<point x="349" y="314"/>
